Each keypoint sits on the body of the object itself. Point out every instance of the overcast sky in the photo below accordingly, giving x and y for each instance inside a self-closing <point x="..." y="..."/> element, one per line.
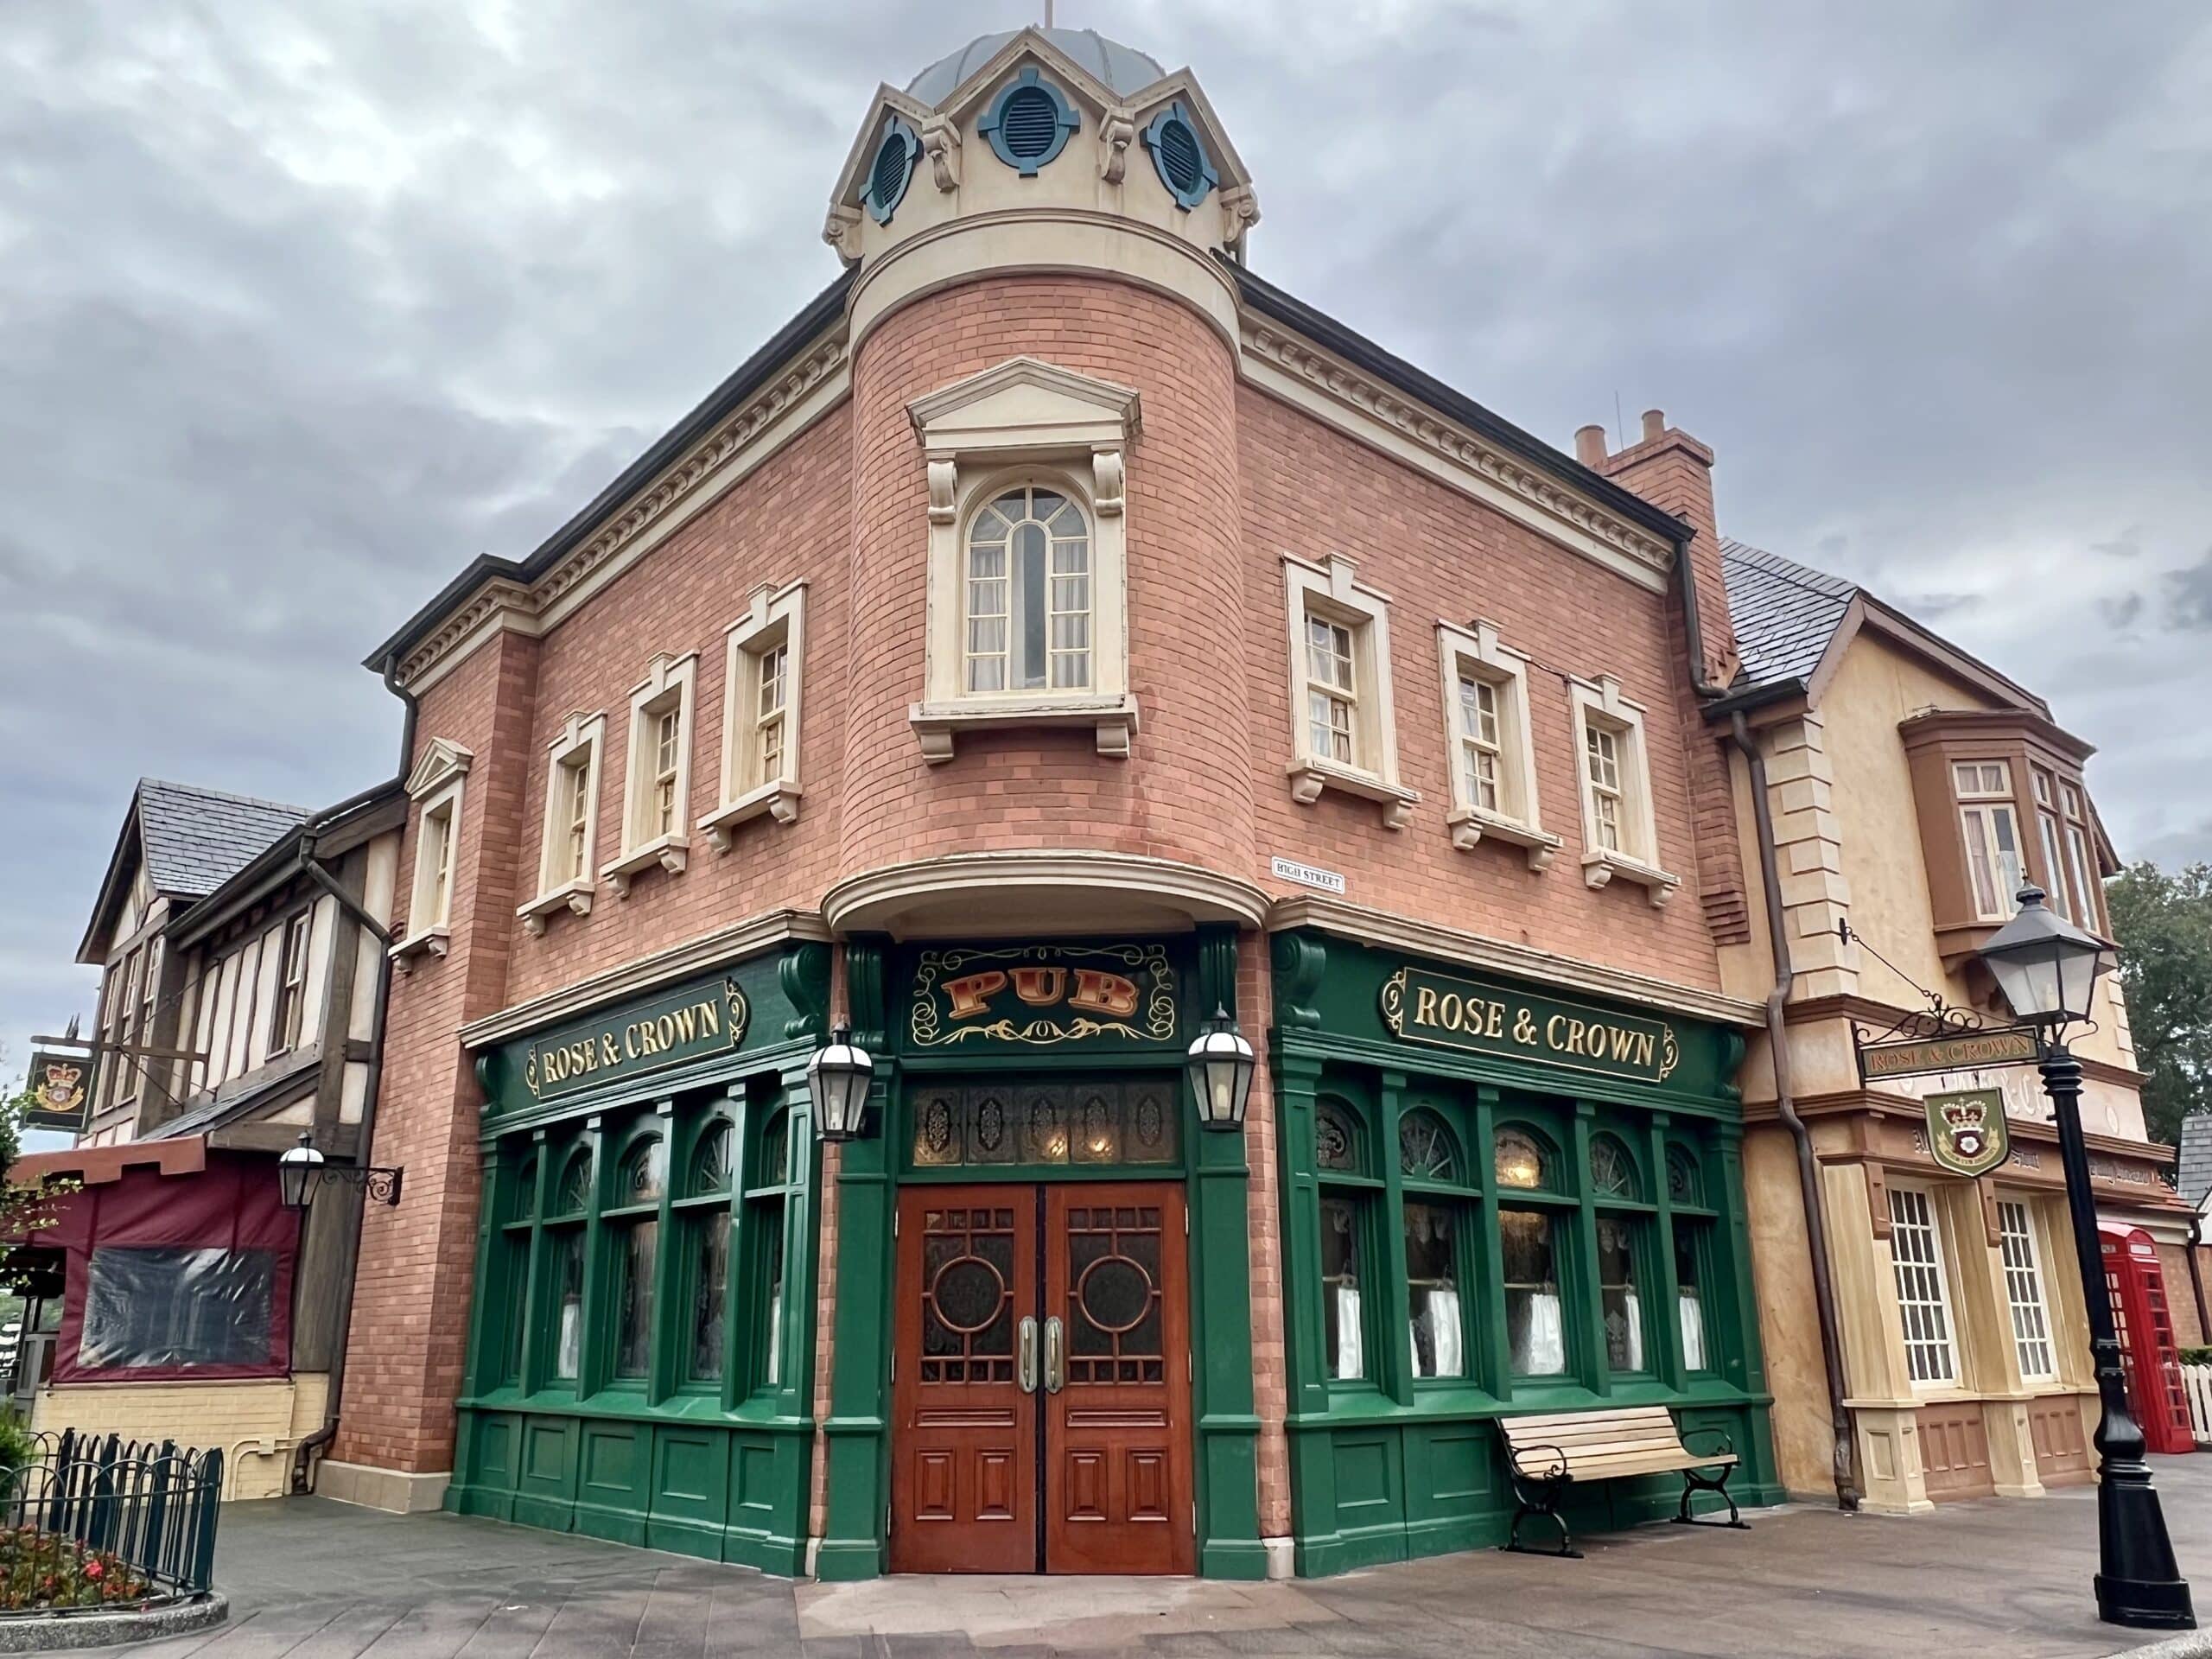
<point x="302" y="307"/>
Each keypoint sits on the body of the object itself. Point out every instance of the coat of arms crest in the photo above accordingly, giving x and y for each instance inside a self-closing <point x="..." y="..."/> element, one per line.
<point x="1966" y="1132"/>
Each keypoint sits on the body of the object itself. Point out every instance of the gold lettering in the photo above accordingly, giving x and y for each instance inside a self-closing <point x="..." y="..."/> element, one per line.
<point x="608" y="1054"/>
<point x="1103" y="992"/>
<point x="971" y="994"/>
<point x="711" y="1018"/>
<point x="1425" y="1007"/>
<point x="1448" y="1009"/>
<point x="686" y="1022"/>
<point x="1040" y="986"/>
<point x="1494" y="1026"/>
<point x="1552" y="1030"/>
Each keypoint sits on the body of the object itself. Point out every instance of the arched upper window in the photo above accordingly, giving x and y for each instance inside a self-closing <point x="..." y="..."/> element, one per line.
<point x="1613" y="1170"/>
<point x="1521" y="1161"/>
<point x="1684" y="1185"/>
<point x="573" y="1197"/>
<point x="1426" y="1150"/>
<point x="710" y="1170"/>
<point x="643" y="1175"/>
<point x="1027" y="596"/>
<point x="1336" y="1139"/>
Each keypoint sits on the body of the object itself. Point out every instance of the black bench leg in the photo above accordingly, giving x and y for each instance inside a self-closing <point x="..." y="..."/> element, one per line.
<point x="1695" y="1483"/>
<point x="1539" y="1498"/>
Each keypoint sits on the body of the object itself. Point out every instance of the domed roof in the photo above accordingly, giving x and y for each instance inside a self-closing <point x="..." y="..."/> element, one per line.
<point x="1122" y="68"/>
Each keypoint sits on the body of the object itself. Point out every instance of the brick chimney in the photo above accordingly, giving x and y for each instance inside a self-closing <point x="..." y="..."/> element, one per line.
<point x="1672" y="470"/>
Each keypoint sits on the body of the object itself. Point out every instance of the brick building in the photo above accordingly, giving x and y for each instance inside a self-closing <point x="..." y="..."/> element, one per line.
<point x="1055" y="638"/>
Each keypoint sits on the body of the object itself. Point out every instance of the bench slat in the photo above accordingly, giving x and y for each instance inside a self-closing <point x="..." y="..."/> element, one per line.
<point x="1608" y="1445"/>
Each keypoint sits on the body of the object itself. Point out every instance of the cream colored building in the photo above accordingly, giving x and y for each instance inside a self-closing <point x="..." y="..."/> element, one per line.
<point x="1911" y="790"/>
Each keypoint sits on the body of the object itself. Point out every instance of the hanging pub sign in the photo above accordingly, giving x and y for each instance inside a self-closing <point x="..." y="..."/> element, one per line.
<point x="636" y="1040"/>
<point x="1040" y="995"/>
<point x="1422" y="1007"/>
<point x="1967" y="1132"/>
<point x="1965" y="1052"/>
<point x="61" y="1088"/>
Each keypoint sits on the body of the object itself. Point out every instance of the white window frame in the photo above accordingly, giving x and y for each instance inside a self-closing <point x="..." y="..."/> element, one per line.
<point x="1938" y="1336"/>
<point x="581" y="741"/>
<point x="2020" y="1254"/>
<point x="1476" y="653"/>
<point x="1599" y="705"/>
<point x="436" y="788"/>
<point x="288" y="1012"/>
<point x="1026" y="422"/>
<point x="1331" y="592"/>
<point x="1978" y="804"/>
<point x="773" y="618"/>
<point x="2081" y="855"/>
<point x="667" y="688"/>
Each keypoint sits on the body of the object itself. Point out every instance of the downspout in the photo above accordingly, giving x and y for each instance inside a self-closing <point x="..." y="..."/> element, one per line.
<point x="2196" y="1272"/>
<point x="1777" y="1031"/>
<point x="372" y="1089"/>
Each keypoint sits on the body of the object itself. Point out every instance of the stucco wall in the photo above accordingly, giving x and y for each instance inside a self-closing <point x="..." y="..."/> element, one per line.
<point x="257" y="1425"/>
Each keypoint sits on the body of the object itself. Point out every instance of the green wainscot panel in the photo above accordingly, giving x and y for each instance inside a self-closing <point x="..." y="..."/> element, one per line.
<point x="724" y="1491"/>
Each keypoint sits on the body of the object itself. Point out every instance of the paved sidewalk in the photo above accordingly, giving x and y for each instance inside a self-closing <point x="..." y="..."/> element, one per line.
<point x="318" y="1581"/>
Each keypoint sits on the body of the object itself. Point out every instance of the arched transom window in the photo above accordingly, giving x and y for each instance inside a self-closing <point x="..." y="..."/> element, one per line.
<point x="1028" y="594"/>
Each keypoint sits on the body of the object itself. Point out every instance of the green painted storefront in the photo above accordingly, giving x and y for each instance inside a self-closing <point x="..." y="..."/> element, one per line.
<point x="640" y="1354"/>
<point x="1497" y="1199"/>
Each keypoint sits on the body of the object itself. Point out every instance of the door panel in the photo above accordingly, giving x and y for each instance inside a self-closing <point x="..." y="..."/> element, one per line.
<point x="964" y="1430"/>
<point x="1117" y="1437"/>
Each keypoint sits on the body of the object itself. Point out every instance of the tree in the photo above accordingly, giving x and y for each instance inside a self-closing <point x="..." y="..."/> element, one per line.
<point x="2164" y="927"/>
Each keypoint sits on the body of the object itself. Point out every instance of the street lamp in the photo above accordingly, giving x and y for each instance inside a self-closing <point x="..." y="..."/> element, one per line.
<point x="2046" y="968"/>
<point x="838" y="1077"/>
<point x="302" y="1169"/>
<point x="1220" y="1064"/>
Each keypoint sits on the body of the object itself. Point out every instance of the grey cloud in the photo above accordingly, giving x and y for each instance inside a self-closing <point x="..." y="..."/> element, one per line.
<point x="309" y="305"/>
<point x="2189" y="596"/>
<point x="2120" y="612"/>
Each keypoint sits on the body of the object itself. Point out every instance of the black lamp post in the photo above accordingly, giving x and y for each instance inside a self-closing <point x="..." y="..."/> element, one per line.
<point x="2047" y="969"/>
<point x="838" y="1077"/>
<point x="1220" y="1063"/>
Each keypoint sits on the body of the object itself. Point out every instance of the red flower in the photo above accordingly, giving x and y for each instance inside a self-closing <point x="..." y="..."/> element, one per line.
<point x="93" y="1569"/>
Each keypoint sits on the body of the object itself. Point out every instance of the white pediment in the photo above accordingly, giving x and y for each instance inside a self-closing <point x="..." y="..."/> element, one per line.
<point x="1025" y="403"/>
<point x="441" y="762"/>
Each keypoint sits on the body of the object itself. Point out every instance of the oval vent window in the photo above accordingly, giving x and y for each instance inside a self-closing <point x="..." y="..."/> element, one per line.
<point x="1029" y="124"/>
<point x="893" y="169"/>
<point x="1180" y="155"/>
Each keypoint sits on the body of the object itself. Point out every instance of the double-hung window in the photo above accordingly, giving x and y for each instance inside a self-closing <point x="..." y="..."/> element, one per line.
<point x="655" y="827"/>
<point x="434" y="786"/>
<point x="2081" y="859"/>
<point x="565" y="879"/>
<point x="2053" y="845"/>
<point x="1991" y="825"/>
<point x="1348" y="1190"/>
<point x="1620" y="834"/>
<point x="2031" y="1337"/>
<point x="1343" y="733"/>
<point x="1028" y="588"/>
<point x="289" y="1016"/>
<point x="1924" y="1288"/>
<point x="1436" y="1217"/>
<point x="1026" y="622"/>
<point x="761" y="684"/>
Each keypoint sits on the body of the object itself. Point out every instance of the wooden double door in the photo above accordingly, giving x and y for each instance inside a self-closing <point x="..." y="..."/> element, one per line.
<point x="1040" y="1380"/>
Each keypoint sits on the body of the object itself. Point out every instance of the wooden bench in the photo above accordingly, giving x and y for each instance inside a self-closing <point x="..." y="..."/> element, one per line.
<point x="1547" y="1453"/>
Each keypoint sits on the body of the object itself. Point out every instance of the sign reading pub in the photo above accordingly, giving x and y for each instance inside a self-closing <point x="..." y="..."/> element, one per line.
<point x="1422" y="1007"/>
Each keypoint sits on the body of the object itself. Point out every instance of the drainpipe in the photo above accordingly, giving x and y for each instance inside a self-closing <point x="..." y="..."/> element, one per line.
<point x="2196" y="1272"/>
<point x="1778" y="1033"/>
<point x="372" y="1089"/>
<point x="1809" y="1187"/>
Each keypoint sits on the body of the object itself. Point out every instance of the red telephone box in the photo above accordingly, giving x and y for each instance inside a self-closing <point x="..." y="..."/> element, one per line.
<point x="2137" y="1284"/>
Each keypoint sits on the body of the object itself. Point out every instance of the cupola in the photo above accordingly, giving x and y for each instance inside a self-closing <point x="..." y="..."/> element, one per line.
<point x="1041" y="149"/>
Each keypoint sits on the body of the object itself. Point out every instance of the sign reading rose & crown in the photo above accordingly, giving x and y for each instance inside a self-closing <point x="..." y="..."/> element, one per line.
<point x="640" y="1039"/>
<point x="1422" y="1007"/>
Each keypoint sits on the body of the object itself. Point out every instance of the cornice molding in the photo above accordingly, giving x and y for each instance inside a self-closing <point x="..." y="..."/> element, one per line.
<point x="1485" y="470"/>
<point x="732" y="943"/>
<point x="1393" y="932"/>
<point x="817" y="378"/>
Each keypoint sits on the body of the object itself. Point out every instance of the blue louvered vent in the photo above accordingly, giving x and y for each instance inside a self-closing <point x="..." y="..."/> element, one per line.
<point x="1180" y="157"/>
<point x="1031" y="121"/>
<point x="887" y="181"/>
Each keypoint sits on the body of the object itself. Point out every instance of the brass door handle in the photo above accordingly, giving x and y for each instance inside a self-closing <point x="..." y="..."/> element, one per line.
<point x="1025" y="1364"/>
<point x="1056" y="1355"/>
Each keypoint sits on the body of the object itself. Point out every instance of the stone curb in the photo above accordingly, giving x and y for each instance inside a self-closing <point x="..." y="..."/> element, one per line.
<point x="56" y="1632"/>
<point x="2195" y="1644"/>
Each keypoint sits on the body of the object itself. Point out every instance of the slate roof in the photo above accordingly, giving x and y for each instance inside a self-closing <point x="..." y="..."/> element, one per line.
<point x="1784" y="613"/>
<point x="197" y="839"/>
<point x="2195" y="1171"/>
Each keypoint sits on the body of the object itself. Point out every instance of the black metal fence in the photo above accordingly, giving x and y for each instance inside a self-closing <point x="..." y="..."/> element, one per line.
<point x="147" y="1509"/>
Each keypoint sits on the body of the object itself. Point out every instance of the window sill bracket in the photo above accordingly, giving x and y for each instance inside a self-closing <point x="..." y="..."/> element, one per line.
<point x="1309" y="776"/>
<point x="1599" y="867"/>
<point x="569" y="895"/>
<point x="1470" y="824"/>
